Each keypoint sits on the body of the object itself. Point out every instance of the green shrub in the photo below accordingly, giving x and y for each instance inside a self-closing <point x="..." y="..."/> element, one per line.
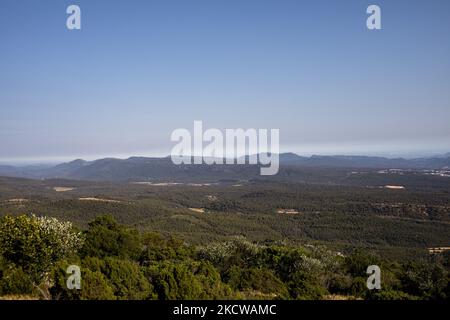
<point x="36" y="243"/>
<point x="187" y="280"/>
<point x="95" y="286"/>
<point x="14" y="281"/>
<point x="106" y="238"/>
<point x="127" y="279"/>
<point x="256" y="279"/>
<point x="156" y="248"/>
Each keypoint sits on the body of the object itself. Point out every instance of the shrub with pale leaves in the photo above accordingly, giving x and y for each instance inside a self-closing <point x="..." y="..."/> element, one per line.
<point x="37" y="243"/>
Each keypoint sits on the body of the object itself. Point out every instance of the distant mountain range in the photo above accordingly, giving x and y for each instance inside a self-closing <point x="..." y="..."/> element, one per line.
<point x="437" y="162"/>
<point x="148" y="169"/>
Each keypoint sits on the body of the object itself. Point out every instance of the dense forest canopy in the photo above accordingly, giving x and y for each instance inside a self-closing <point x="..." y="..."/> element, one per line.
<point x="118" y="262"/>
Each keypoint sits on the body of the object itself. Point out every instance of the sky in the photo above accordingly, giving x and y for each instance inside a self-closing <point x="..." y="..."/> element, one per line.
<point x="138" y="70"/>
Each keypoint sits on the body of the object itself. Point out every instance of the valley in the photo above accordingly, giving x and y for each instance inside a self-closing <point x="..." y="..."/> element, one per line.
<point x="341" y="208"/>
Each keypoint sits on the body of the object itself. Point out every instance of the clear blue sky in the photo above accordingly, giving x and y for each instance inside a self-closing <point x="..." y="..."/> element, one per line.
<point x="140" y="69"/>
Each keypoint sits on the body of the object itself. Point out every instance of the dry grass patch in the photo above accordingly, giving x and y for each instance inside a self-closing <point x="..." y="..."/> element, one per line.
<point x="99" y="200"/>
<point x="63" y="189"/>
<point x="287" y="211"/>
<point x="197" y="210"/>
<point x="18" y="297"/>
<point x="17" y="200"/>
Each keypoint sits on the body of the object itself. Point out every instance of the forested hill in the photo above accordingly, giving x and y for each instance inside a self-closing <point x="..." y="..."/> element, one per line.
<point x="143" y="169"/>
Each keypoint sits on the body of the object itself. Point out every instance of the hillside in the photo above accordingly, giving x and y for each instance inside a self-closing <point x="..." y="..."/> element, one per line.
<point x="145" y="169"/>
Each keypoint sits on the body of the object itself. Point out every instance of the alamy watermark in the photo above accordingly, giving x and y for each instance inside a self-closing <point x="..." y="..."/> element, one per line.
<point x="373" y="22"/>
<point x="73" y="21"/>
<point x="374" y="280"/>
<point x="235" y="146"/>
<point x="74" y="280"/>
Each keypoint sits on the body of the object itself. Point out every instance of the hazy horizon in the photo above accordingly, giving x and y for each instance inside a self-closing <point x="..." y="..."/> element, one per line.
<point x="56" y="160"/>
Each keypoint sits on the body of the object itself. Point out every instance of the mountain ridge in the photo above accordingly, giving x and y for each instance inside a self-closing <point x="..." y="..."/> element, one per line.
<point x="148" y="168"/>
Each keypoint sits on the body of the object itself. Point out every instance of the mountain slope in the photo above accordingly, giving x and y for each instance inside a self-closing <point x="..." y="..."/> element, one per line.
<point x="146" y="169"/>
